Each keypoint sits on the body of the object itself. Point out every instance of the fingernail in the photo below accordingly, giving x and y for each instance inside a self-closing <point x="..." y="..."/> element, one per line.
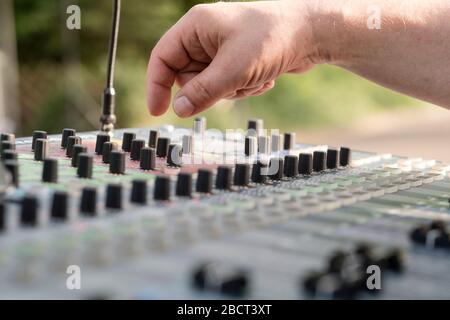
<point x="183" y="107"/>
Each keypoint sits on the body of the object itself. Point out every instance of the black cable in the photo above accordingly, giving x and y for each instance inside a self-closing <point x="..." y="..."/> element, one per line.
<point x="108" y="118"/>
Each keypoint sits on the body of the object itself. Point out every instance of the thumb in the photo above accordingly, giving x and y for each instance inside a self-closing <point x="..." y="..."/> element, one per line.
<point x="205" y="89"/>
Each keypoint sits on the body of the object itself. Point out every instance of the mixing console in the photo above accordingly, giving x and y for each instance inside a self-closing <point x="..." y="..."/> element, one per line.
<point x="192" y="214"/>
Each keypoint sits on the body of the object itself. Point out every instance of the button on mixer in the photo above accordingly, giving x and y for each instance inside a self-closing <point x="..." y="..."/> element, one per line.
<point x="204" y="182"/>
<point x="88" y="202"/>
<point x="114" y="196"/>
<point x="66" y="133"/>
<point x="319" y="161"/>
<point x="241" y="174"/>
<point x="305" y="163"/>
<point x="136" y="147"/>
<point x="332" y="159"/>
<point x="29" y="211"/>
<point x="106" y="150"/>
<point x="127" y="139"/>
<point x="162" y="147"/>
<point x="76" y="150"/>
<point x="148" y="158"/>
<point x="184" y="185"/>
<point x="290" y="166"/>
<point x="345" y="156"/>
<point x="50" y="171"/>
<point x="223" y="178"/>
<point x="153" y="138"/>
<point x="71" y="141"/>
<point x="139" y="191"/>
<point x="161" y="189"/>
<point x="102" y="138"/>
<point x="40" y="149"/>
<point x="38" y="135"/>
<point x="60" y="204"/>
<point x="117" y="162"/>
<point x="85" y="165"/>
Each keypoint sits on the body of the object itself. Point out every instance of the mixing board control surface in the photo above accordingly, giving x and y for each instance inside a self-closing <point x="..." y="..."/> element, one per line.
<point x="189" y="214"/>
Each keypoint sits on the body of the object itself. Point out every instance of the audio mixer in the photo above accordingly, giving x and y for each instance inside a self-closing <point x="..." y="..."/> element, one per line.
<point x="173" y="213"/>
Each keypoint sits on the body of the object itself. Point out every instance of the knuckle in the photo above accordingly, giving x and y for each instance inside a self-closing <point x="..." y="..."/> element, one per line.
<point x="203" y="93"/>
<point x="199" y="9"/>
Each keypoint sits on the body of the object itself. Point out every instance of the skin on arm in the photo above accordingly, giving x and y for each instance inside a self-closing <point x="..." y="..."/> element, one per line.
<point x="234" y="50"/>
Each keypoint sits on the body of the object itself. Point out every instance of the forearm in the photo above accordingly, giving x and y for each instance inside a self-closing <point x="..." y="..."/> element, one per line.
<point x="410" y="52"/>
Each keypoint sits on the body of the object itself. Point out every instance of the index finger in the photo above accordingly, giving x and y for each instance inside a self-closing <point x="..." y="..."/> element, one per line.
<point x="167" y="58"/>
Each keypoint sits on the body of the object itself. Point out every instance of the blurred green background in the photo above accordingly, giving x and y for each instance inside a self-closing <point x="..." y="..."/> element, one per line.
<point x="62" y="74"/>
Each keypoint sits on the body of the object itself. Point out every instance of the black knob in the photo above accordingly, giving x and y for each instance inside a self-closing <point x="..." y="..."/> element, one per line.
<point x="71" y="141"/>
<point x="241" y="174"/>
<point x="40" y="149"/>
<point x="2" y="217"/>
<point x="101" y="139"/>
<point x="38" y="135"/>
<point x="259" y="172"/>
<point x="85" y="165"/>
<point x="76" y="150"/>
<point x="139" y="191"/>
<point x="8" y="137"/>
<point x="419" y="235"/>
<point x="60" y="205"/>
<point x="148" y="158"/>
<point x="161" y="189"/>
<point x="223" y="178"/>
<point x="29" y="211"/>
<point x="305" y="163"/>
<point x="12" y="166"/>
<point x="254" y="126"/>
<point x="276" y="168"/>
<point x="184" y="185"/>
<point x="175" y="156"/>
<point x="290" y="166"/>
<point x="114" y="196"/>
<point x="136" y="147"/>
<point x="345" y="156"/>
<point x="65" y="136"/>
<point x="117" y="162"/>
<point x="50" y="171"/>
<point x="153" y="138"/>
<point x="162" y="147"/>
<point x="88" y="203"/>
<point x="9" y="155"/>
<point x="289" y="141"/>
<point x="106" y="150"/>
<point x="251" y="145"/>
<point x="319" y="161"/>
<point x="332" y="159"/>
<point x="7" y="145"/>
<point x="127" y="139"/>
<point x="204" y="181"/>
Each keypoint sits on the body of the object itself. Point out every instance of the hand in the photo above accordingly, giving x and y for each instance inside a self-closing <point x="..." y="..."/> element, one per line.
<point x="228" y="50"/>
